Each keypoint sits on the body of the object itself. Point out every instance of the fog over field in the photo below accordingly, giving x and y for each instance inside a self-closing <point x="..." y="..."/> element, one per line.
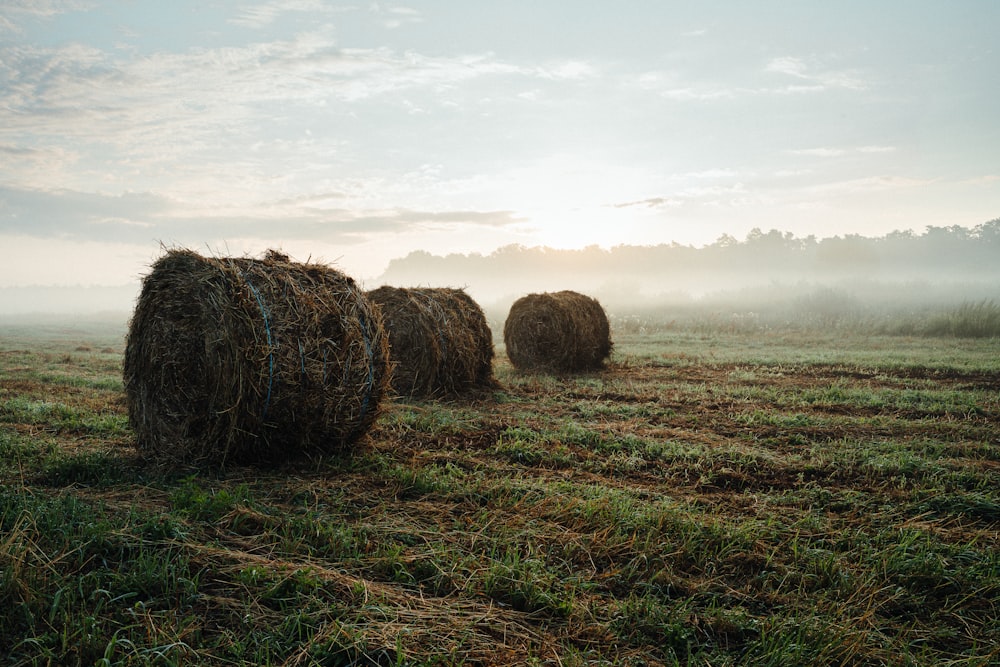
<point x="902" y="272"/>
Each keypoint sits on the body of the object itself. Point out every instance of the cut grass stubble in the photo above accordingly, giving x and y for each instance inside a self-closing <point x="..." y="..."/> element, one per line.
<point x="671" y="509"/>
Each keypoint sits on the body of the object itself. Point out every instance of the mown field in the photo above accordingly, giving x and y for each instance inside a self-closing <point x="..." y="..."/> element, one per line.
<point x="711" y="498"/>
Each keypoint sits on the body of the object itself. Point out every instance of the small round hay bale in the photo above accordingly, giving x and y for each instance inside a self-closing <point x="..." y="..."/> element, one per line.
<point x="557" y="331"/>
<point x="251" y="360"/>
<point x="439" y="340"/>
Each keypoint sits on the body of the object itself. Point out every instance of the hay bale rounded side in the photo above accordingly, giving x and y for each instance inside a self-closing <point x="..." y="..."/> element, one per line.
<point x="414" y="345"/>
<point x="439" y="340"/>
<point x="557" y="331"/>
<point x="251" y="360"/>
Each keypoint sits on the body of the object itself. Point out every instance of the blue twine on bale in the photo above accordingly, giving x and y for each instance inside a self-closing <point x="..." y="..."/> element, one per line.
<point x="270" y="347"/>
<point x="371" y="377"/>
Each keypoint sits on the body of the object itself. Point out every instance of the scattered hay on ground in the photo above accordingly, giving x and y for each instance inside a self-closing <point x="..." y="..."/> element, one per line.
<point x="251" y="360"/>
<point x="439" y="340"/>
<point x="557" y="331"/>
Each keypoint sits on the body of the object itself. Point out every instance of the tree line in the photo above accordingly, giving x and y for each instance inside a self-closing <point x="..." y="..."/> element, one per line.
<point x="952" y="253"/>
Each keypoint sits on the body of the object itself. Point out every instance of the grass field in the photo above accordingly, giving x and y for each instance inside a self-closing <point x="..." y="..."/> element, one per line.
<point x="738" y="498"/>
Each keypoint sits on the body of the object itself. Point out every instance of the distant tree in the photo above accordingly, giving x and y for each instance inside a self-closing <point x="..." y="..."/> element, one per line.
<point x="988" y="231"/>
<point x="725" y="241"/>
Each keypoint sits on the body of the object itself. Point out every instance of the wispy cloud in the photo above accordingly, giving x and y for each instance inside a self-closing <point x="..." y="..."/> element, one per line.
<point x="568" y="69"/>
<point x="839" y="152"/>
<point x="789" y="66"/>
<point x="868" y="184"/>
<point x="652" y="202"/>
<point x="264" y="14"/>
<point x="807" y="79"/>
<point x="19" y="152"/>
<point x="396" y="17"/>
<point x="819" y="152"/>
<point x="175" y="108"/>
<point x="700" y="94"/>
<point x="987" y="179"/>
<point x="695" y="191"/>
<point x="142" y="217"/>
<point x="61" y="84"/>
<point x="816" y="78"/>
<point x="12" y="10"/>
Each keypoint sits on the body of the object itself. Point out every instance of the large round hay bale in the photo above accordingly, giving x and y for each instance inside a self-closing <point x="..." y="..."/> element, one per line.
<point x="557" y="331"/>
<point x="251" y="360"/>
<point x="439" y="340"/>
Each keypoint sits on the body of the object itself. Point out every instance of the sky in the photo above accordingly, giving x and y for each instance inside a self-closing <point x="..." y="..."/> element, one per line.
<point x="355" y="133"/>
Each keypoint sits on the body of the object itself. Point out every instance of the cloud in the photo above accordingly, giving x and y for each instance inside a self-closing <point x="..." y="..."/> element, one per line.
<point x="839" y="152"/>
<point x="141" y="217"/>
<point x="652" y="202"/>
<point x="816" y="80"/>
<point x="699" y="94"/>
<point x="42" y="8"/>
<point x="573" y="70"/>
<point x="196" y="112"/>
<point x="789" y="66"/>
<point x="264" y="14"/>
<point x="686" y="80"/>
<point x="32" y="162"/>
<point x="19" y="152"/>
<point x="673" y="86"/>
<point x="987" y="179"/>
<point x="396" y="17"/>
<point x="869" y="184"/>
<point x="713" y="195"/>
<point x="54" y="92"/>
<point x="807" y="78"/>
<point x="819" y="152"/>
<point x="70" y="214"/>
<point x="55" y="89"/>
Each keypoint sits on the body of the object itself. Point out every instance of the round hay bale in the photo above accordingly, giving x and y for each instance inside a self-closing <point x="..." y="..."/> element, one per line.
<point x="251" y="360"/>
<point x="557" y="331"/>
<point x="439" y="340"/>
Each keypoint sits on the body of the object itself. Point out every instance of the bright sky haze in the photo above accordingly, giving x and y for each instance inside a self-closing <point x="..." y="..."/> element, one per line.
<point x="356" y="133"/>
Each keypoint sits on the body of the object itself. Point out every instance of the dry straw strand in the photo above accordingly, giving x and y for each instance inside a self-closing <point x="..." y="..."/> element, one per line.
<point x="439" y="340"/>
<point x="557" y="331"/>
<point x="251" y="360"/>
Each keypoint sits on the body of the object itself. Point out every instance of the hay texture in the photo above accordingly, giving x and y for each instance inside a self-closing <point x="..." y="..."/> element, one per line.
<point x="557" y="331"/>
<point x="439" y="340"/>
<point x="251" y="360"/>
